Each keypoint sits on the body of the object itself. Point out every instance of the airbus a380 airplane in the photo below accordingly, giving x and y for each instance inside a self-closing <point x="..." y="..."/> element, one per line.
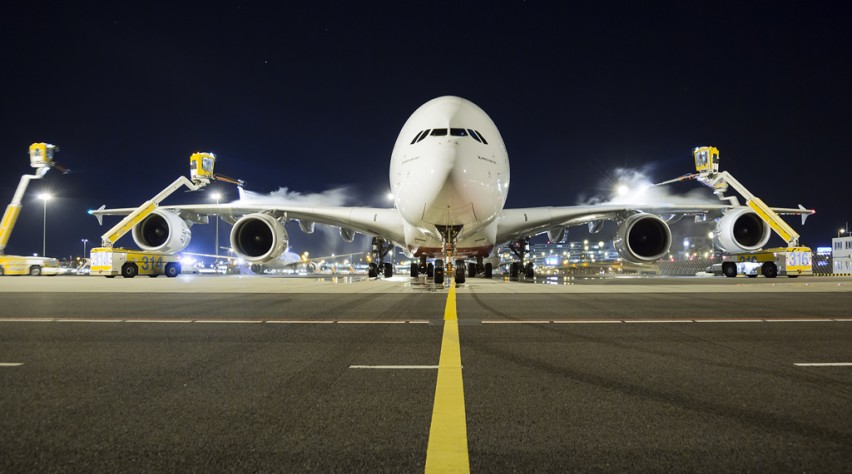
<point x="449" y="175"/>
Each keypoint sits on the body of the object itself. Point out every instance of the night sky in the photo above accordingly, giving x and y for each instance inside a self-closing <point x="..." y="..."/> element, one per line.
<point x="311" y="97"/>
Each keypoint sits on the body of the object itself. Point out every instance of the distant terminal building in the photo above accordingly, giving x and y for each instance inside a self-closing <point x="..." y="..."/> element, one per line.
<point x="841" y="254"/>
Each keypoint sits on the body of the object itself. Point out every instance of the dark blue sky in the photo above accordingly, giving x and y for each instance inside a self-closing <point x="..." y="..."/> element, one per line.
<point x="312" y="96"/>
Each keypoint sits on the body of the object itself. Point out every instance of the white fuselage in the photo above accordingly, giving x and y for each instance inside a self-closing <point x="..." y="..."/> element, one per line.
<point x="449" y="167"/>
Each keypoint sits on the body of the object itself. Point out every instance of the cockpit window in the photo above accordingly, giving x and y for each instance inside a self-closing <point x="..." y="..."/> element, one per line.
<point x="481" y="137"/>
<point x="474" y="135"/>
<point x="439" y="132"/>
<point x="414" y="140"/>
<point x="458" y="132"/>
<point x="420" y="136"/>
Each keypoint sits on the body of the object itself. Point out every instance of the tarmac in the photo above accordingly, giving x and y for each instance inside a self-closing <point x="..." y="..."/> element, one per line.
<point x="341" y="374"/>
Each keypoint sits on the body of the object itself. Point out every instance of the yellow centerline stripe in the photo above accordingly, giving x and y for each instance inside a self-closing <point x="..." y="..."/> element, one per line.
<point x="447" y="449"/>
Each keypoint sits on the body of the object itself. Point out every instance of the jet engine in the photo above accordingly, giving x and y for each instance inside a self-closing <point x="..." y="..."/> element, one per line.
<point x="162" y="231"/>
<point x="643" y="238"/>
<point x="740" y="230"/>
<point x="259" y="238"/>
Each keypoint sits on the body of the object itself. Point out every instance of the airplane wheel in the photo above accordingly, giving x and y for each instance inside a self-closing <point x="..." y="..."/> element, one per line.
<point x="529" y="271"/>
<point x="471" y="270"/>
<point x="460" y="274"/>
<point x="488" y="270"/>
<point x="770" y="270"/>
<point x="172" y="269"/>
<point x="415" y="270"/>
<point x="729" y="269"/>
<point x="439" y="275"/>
<point x="373" y="272"/>
<point x="129" y="270"/>
<point x="515" y="270"/>
<point x="388" y="270"/>
<point x="430" y="270"/>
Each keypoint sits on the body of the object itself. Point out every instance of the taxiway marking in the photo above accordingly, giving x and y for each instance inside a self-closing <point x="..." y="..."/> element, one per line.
<point x="11" y="364"/>
<point x="393" y="367"/>
<point x="447" y="447"/>
<point x="823" y="364"/>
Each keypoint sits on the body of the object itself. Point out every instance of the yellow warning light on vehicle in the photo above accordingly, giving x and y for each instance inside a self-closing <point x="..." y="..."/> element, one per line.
<point x="706" y="159"/>
<point x="201" y="166"/>
<point x="41" y="154"/>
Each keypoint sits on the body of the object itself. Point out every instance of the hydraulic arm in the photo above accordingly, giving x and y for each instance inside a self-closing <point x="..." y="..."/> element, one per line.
<point x="41" y="158"/>
<point x="201" y="173"/>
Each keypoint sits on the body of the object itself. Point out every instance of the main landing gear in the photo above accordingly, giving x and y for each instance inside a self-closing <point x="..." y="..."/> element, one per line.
<point x="520" y="248"/>
<point x="380" y="250"/>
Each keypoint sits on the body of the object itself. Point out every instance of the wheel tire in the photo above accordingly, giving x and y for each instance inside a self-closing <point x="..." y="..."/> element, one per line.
<point x="373" y="272"/>
<point x="415" y="270"/>
<point x="769" y="270"/>
<point x="729" y="269"/>
<point x="129" y="270"/>
<point x="471" y="270"/>
<point x="489" y="269"/>
<point x="35" y="270"/>
<point x="439" y="275"/>
<point x="388" y="270"/>
<point x="529" y="271"/>
<point x="172" y="269"/>
<point x="439" y="263"/>
<point x="515" y="270"/>
<point x="430" y="270"/>
<point x="460" y="274"/>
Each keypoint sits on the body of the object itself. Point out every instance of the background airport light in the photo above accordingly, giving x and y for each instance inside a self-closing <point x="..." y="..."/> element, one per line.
<point x="44" y="197"/>
<point x="85" y="241"/>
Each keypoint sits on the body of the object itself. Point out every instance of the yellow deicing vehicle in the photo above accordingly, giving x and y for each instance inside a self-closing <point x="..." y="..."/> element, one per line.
<point x="792" y="260"/>
<point x="41" y="158"/>
<point x="110" y="262"/>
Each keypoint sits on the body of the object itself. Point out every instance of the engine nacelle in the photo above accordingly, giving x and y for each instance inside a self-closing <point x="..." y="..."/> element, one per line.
<point x="740" y="230"/>
<point x="162" y="231"/>
<point x="259" y="238"/>
<point x="643" y="238"/>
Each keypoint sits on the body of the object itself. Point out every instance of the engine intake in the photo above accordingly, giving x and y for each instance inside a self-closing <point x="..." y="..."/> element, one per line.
<point x="259" y="238"/>
<point x="643" y="238"/>
<point x="162" y="231"/>
<point x="741" y="230"/>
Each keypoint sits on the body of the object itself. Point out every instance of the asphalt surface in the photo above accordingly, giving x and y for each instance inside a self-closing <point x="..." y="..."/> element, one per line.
<point x="555" y="379"/>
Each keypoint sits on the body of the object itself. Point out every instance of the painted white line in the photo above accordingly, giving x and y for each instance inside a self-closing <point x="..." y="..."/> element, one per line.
<point x="11" y="364"/>
<point x="389" y="321"/>
<point x="394" y="367"/>
<point x="158" y="321"/>
<point x="228" y="321"/>
<point x="500" y="321"/>
<point x="588" y="321"/>
<point x="796" y="320"/>
<point x="728" y="320"/>
<point x="823" y="364"/>
<point x="655" y="321"/>
<point x="283" y="321"/>
<point x="63" y="320"/>
<point x="27" y="320"/>
<point x="843" y="319"/>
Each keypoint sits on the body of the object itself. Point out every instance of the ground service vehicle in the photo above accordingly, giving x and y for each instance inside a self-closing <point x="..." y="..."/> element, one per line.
<point x="128" y="263"/>
<point x="108" y="261"/>
<point x="792" y="261"/>
<point x="783" y="261"/>
<point x="41" y="158"/>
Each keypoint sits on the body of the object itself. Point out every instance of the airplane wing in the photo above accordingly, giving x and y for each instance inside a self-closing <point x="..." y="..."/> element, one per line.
<point x="514" y="224"/>
<point x="379" y="222"/>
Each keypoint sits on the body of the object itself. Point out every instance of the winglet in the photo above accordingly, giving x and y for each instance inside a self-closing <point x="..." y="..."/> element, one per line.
<point x="805" y="215"/>
<point x="99" y="217"/>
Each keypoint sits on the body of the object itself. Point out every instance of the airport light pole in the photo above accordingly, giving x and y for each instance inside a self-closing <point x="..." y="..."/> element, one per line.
<point x="85" y="241"/>
<point x="44" y="197"/>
